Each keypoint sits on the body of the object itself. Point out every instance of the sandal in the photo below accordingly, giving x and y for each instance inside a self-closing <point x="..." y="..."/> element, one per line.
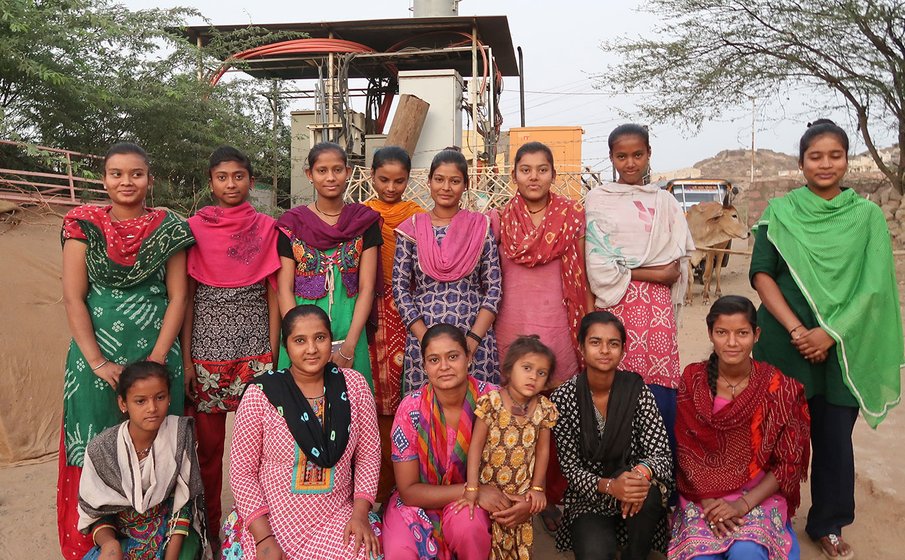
<point x="834" y="543"/>
<point x="551" y="518"/>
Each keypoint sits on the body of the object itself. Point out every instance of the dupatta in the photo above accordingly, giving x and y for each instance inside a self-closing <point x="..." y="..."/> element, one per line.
<point x="840" y="256"/>
<point x="766" y="428"/>
<point x="458" y="255"/>
<point x="437" y="465"/>
<point x="612" y="448"/>
<point x="632" y="226"/>
<point x="236" y="246"/>
<point x="556" y="237"/>
<point x="392" y="215"/>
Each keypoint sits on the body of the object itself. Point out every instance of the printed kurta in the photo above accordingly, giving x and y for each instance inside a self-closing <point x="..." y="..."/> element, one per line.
<point x="507" y="462"/>
<point x="308" y="507"/>
<point x="418" y="296"/>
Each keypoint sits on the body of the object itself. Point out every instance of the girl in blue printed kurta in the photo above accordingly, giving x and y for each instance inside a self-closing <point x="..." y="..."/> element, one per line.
<point x="447" y="270"/>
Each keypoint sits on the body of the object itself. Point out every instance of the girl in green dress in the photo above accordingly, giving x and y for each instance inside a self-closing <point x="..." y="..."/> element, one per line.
<point x="124" y="288"/>
<point x="822" y="264"/>
<point x="329" y="254"/>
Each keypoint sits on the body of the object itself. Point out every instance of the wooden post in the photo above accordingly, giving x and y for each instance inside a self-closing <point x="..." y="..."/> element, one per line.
<point x="407" y="123"/>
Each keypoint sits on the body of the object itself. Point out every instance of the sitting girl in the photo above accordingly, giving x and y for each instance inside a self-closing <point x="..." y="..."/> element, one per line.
<point x="510" y="443"/>
<point x="141" y="493"/>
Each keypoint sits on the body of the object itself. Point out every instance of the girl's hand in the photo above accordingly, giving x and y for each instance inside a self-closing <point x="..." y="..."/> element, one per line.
<point x="814" y="344"/>
<point x="468" y="500"/>
<point x="669" y="273"/>
<point x="269" y="549"/>
<point x="109" y="372"/>
<point x="111" y="550"/>
<point x="517" y="513"/>
<point x="472" y="345"/>
<point x="630" y="486"/>
<point x="162" y="360"/>
<point x="339" y="357"/>
<point x="492" y="499"/>
<point x="723" y="517"/>
<point x="189" y="375"/>
<point x="358" y="532"/>
<point x="537" y="500"/>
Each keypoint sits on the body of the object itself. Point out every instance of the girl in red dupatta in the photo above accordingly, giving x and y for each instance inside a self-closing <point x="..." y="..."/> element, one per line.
<point x="235" y="254"/>
<point x="742" y="429"/>
<point x="390" y="169"/>
<point x="431" y="438"/>
<point x="545" y="289"/>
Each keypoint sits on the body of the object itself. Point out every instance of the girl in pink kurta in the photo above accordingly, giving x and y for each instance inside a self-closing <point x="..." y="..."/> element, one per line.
<point x="313" y="511"/>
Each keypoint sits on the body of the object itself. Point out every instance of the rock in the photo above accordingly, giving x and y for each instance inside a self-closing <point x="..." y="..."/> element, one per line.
<point x="895" y="195"/>
<point x="884" y="195"/>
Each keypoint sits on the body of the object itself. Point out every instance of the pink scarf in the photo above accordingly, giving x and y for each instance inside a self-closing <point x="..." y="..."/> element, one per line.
<point x="458" y="255"/>
<point x="235" y="246"/>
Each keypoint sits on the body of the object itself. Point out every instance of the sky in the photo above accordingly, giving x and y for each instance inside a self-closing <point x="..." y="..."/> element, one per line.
<point x="563" y="61"/>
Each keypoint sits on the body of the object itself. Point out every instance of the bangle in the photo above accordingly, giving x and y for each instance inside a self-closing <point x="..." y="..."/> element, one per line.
<point x="537" y="488"/>
<point x="607" y="489"/>
<point x="645" y="472"/>
<point x="98" y="528"/>
<point x="472" y="488"/>
<point x="100" y="365"/>
<point x="264" y="539"/>
<point x="343" y="356"/>
<point x="747" y="505"/>
<point x="472" y="335"/>
<point x="792" y="332"/>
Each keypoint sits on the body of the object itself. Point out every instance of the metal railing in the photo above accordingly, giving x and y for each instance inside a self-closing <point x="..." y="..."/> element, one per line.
<point x="488" y="188"/>
<point x="65" y="179"/>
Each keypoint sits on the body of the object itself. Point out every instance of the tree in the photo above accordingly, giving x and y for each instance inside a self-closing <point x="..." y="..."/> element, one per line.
<point x="712" y="55"/>
<point x="84" y="74"/>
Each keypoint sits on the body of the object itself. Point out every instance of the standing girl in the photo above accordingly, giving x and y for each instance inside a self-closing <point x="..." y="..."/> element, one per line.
<point x="329" y="258"/>
<point x="545" y="289"/>
<point x="637" y="250"/>
<point x="510" y="443"/>
<point x="141" y="492"/>
<point x="124" y="288"/>
<point x="817" y="283"/>
<point x="447" y="270"/>
<point x="389" y="175"/>
<point x="232" y="323"/>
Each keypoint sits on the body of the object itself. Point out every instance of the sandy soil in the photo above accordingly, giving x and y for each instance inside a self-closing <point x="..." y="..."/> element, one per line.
<point x="27" y="493"/>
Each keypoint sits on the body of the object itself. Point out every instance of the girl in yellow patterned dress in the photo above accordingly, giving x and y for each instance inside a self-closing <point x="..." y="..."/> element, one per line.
<point x="510" y="443"/>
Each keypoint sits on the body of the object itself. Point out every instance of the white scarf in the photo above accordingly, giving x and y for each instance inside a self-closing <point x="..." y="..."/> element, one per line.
<point x="632" y="226"/>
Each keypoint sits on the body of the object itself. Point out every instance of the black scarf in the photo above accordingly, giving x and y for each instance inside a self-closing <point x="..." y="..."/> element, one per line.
<point x="324" y="444"/>
<point x="613" y="447"/>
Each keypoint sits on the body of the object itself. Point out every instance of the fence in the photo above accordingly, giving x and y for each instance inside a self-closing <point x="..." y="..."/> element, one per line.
<point x="487" y="188"/>
<point x="67" y="178"/>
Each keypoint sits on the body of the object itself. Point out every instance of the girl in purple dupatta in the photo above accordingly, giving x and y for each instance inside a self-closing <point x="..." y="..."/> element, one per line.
<point x="447" y="270"/>
<point x="329" y="254"/>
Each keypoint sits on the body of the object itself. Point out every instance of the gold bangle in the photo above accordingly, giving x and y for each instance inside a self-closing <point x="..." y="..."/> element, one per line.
<point x="472" y="488"/>
<point x="537" y="488"/>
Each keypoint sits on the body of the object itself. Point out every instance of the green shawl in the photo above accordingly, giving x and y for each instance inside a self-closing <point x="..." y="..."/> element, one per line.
<point x="840" y="255"/>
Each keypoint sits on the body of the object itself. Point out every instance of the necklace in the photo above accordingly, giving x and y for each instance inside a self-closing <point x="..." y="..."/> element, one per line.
<point x="319" y="211"/>
<point x="143" y="452"/>
<point x="541" y="209"/>
<point x="439" y="218"/>
<point x="116" y="218"/>
<point x="518" y="409"/>
<point x="317" y="397"/>
<point x="733" y="387"/>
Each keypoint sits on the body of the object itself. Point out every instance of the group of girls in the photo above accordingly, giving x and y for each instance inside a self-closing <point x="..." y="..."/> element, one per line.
<point x="384" y="323"/>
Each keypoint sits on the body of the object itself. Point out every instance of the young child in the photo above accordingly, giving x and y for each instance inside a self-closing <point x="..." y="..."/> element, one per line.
<point x="390" y="171"/>
<point x="329" y="252"/>
<point x="232" y="323"/>
<point x="510" y="444"/>
<point x="140" y="493"/>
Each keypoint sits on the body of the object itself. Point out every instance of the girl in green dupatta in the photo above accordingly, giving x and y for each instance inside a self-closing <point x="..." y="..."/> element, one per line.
<point x="822" y="263"/>
<point x="124" y="288"/>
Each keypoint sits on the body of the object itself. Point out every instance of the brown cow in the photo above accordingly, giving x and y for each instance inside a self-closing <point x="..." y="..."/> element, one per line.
<point x="713" y="226"/>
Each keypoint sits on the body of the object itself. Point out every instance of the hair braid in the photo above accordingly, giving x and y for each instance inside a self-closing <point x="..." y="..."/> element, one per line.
<point x="713" y="370"/>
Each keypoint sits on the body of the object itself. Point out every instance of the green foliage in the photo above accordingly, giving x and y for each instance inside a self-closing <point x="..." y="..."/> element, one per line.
<point x="711" y="55"/>
<point x="84" y="74"/>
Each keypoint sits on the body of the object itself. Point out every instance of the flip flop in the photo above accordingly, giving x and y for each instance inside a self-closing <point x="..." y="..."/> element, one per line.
<point x="834" y="542"/>
<point x="551" y="518"/>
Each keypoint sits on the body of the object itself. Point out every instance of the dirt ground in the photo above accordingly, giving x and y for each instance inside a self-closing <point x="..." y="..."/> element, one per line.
<point x="27" y="493"/>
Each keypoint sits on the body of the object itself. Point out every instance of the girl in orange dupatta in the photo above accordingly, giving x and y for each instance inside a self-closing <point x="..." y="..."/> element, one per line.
<point x="545" y="289"/>
<point x="389" y="175"/>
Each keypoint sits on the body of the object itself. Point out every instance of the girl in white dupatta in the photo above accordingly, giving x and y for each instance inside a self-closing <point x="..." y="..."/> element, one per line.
<point x="140" y="493"/>
<point x="637" y="246"/>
